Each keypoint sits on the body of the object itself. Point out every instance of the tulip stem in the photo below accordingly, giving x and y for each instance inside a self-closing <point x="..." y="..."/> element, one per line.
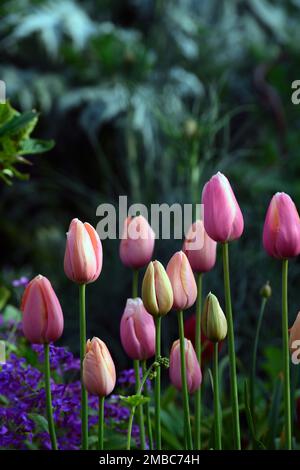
<point x="218" y="424"/>
<point x="84" y="398"/>
<point x="138" y="393"/>
<point x="185" y="395"/>
<point x="286" y="361"/>
<point x="157" y="383"/>
<point x="255" y="348"/>
<point x="49" y="399"/>
<point x="198" y="354"/>
<point x="136" y="364"/>
<point x="231" y="348"/>
<point x="101" y="423"/>
<point x="147" y="408"/>
<point x="135" y="283"/>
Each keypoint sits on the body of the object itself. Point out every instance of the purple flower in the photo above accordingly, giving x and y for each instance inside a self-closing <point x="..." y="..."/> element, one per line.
<point x="21" y="282"/>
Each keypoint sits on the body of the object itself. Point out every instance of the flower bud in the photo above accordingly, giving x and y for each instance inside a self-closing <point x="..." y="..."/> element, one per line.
<point x="137" y="244"/>
<point x="199" y="248"/>
<point x="193" y="371"/>
<point x="137" y="331"/>
<point x="182" y="280"/>
<point x="214" y="323"/>
<point x="99" y="373"/>
<point x="157" y="293"/>
<point x="43" y="320"/>
<point x="266" y="291"/>
<point x="223" y="219"/>
<point x="83" y="255"/>
<point x="281" y="235"/>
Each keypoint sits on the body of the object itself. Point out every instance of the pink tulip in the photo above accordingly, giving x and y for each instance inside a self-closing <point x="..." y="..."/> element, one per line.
<point x="223" y="219"/>
<point x="99" y="373"/>
<point x="137" y="330"/>
<point x="281" y="235"/>
<point x="193" y="371"/>
<point x="43" y="320"/>
<point x="137" y="244"/>
<point x="199" y="248"/>
<point x="182" y="280"/>
<point x="83" y="255"/>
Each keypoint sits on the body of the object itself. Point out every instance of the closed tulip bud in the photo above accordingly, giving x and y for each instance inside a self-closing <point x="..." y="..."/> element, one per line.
<point x="137" y="244"/>
<point x="182" y="280"/>
<point x="157" y="293"/>
<point x="266" y="291"/>
<point x="193" y="371"/>
<point x="99" y="373"/>
<point x="83" y="255"/>
<point x="295" y="334"/>
<point x="223" y="219"/>
<point x="214" y="323"/>
<point x="281" y="235"/>
<point x="43" y="320"/>
<point x="137" y="331"/>
<point x="199" y="248"/>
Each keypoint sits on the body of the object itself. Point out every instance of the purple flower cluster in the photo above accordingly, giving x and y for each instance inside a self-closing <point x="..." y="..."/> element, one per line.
<point x="22" y="403"/>
<point x="21" y="282"/>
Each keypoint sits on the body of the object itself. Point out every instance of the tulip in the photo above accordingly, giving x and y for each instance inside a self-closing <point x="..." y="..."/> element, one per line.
<point x="157" y="293"/>
<point x="182" y="281"/>
<point x="137" y="331"/>
<point x="99" y="373"/>
<point x="137" y="244"/>
<point x="83" y="255"/>
<point x="43" y="320"/>
<point x="193" y="371"/>
<point x="223" y="219"/>
<point x="295" y="334"/>
<point x="214" y="323"/>
<point x="199" y="248"/>
<point x="281" y="235"/>
<point x="43" y="323"/>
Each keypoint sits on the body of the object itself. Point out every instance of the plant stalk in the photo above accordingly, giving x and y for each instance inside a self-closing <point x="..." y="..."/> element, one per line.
<point x="286" y="359"/>
<point x="49" y="398"/>
<point x="84" y="397"/>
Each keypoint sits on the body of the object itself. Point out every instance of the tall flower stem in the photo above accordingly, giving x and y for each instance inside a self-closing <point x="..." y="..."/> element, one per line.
<point x="157" y="383"/>
<point x="254" y="356"/>
<point x="198" y="354"/>
<point x="84" y="398"/>
<point x="185" y="395"/>
<point x="231" y="348"/>
<point x="136" y="364"/>
<point x="147" y="408"/>
<point x="49" y="399"/>
<point x="101" y="423"/>
<point x="286" y="362"/>
<point x="132" y="412"/>
<point x="218" y="424"/>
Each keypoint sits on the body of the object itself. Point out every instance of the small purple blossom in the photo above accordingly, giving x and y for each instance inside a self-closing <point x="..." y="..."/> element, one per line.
<point x="21" y="282"/>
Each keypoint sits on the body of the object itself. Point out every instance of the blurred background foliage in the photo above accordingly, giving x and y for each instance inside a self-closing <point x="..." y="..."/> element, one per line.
<point x="149" y="98"/>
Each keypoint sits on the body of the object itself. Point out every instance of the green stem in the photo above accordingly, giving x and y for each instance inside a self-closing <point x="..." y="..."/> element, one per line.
<point x="147" y="409"/>
<point x="253" y="370"/>
<point x="101" y="423"/>
<point x="84" y="398"/>
<point x="218" y="424"/>
<point x="185" y="395"/>
<point x="131" y="416"/>
<point x="136" y="364"/>
<point x="135" y="283"/>
<point x="231" y="348"/>
<point x="48" y="398"/>
<point x="286" y="361"/>
<point x="157" y="383"/>
<point x="198" y="354"/>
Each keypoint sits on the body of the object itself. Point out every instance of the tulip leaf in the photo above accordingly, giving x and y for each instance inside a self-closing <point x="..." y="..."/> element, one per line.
<point x="257" y="444"/>
<point x="274" y="414"/>
<point x="4" y="296"/>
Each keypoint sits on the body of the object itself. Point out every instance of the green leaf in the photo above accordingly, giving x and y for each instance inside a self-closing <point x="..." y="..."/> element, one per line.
<point x="134" y="400"/>
<point x="274" y="414"/>
<point x="25" y="123"/>
<point x="4" y="296"/>
<point x="32" y="146"/>
<point x="11" y="313"/>
<point x="257" y="444"/>
<point x="40" y="421"/>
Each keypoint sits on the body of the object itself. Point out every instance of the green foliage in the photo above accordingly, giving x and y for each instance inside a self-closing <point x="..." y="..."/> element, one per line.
<point x="15" y="141"/>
